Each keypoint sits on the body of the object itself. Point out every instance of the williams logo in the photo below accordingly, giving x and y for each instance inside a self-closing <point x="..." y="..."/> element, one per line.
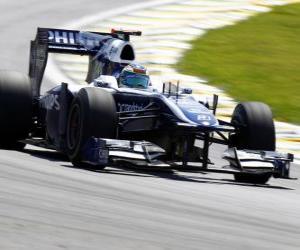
<point x="130" y="107"/>
<point x="50" y="102"/>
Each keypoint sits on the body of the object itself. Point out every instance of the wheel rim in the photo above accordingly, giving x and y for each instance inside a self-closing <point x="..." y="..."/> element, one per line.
<point x="73" y="136"/>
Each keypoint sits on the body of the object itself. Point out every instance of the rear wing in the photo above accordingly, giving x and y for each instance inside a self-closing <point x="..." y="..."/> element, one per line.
<point x="73" y="42"/>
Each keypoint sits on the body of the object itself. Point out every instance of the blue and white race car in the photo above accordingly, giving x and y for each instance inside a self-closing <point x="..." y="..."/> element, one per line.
<point x="118" y="117"/>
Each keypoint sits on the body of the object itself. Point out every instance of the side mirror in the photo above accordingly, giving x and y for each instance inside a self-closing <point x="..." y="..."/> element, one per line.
<point x="106" y="81"/>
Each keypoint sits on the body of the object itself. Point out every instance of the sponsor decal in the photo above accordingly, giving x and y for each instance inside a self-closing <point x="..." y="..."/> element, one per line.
<point x="50" y="102"/>
<point x="203" y="117"/>
<point x="130" y="107"/>
<point x="86" y="39"/>
<point x="63" y="37"/>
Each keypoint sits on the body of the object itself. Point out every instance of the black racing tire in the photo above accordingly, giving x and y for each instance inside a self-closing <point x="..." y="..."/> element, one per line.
<point x="15" y="109"/>
<point x="256" y="131"/>
<point x="252" y="178"/>
<point x="92" y="113"/>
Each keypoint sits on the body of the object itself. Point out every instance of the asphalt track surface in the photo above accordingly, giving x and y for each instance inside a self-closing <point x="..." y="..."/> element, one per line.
<point x="47" y="204"/>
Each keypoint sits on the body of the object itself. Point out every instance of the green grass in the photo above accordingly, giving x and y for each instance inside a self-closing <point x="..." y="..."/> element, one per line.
<point x="254" y="60"/>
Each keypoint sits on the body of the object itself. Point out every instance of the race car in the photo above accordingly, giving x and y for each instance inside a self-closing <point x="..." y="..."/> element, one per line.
<point x="104" y="123"/>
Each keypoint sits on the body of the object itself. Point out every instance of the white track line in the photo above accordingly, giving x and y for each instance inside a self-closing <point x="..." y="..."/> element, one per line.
<point x="54" y="74"/>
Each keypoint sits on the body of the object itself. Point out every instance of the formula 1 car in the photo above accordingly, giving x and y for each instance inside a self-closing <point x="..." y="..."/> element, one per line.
<point x="102" y="124"/>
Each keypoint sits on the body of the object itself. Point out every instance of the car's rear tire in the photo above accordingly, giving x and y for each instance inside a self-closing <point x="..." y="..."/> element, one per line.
<point x="255" y="131"/>
<point x="92" y="113"/>
<point x="15" y="109"/>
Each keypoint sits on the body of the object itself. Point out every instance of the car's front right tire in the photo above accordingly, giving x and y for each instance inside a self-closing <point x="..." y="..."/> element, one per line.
<point x="255" y="127"/>
<point x="255" y="131"/>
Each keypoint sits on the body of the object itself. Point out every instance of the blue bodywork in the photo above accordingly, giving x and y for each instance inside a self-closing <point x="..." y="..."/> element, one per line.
<point x="148" y="123"/>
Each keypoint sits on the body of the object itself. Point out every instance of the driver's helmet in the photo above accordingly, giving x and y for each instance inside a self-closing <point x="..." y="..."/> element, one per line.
<point x="134" y="76"/>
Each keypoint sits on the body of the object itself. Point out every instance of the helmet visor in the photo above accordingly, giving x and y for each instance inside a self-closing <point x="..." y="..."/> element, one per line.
<point x="134" y="80"/>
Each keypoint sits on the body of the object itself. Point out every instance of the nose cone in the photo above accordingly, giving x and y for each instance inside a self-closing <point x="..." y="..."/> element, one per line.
<point x="196" y="112"/>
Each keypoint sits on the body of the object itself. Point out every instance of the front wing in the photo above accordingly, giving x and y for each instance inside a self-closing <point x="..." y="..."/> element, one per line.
<point x="112" y="152"/>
